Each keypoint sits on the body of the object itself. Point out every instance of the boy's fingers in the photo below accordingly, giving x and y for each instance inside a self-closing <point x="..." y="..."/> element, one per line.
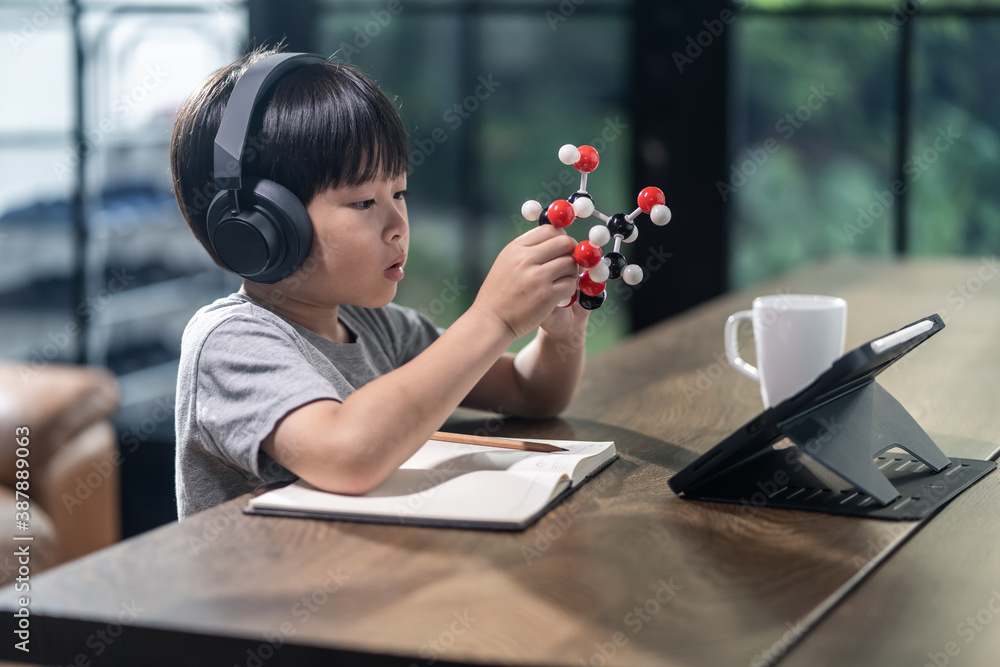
<point x="551" y="248"/>
<point x="541" y="233"/>
<point x="567" y="282"/>
<point x="554" y="246"/>
<point x="562" y="269"/>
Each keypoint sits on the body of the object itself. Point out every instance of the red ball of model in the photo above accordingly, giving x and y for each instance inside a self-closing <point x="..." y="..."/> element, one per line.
<point x="650" y="197"/>
<point x="560" y="213"/>
<point x="589" y="287"/>
<point x="589" y="159"/>
<point x="587" y="254"/>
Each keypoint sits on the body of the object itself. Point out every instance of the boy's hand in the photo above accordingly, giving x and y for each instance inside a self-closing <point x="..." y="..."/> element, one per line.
<point x="529" y="277"/>
<point x="566" y="323"/>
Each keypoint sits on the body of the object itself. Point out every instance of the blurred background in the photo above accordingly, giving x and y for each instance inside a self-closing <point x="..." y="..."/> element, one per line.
<point x="782" y="132"/>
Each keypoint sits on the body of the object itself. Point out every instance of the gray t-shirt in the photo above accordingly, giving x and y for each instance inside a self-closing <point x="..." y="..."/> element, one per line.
<point x="243" y="368"/>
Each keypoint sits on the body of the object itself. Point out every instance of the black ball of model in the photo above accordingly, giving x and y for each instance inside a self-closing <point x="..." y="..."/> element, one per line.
<point x="619" y="225"/>
<point x="592" y="302"/>
<point x="616" y="262"/>
<point x="543" y="217"/>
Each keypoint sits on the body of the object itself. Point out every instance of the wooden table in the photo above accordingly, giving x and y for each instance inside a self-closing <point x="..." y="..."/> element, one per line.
<point x="623" y="572"/>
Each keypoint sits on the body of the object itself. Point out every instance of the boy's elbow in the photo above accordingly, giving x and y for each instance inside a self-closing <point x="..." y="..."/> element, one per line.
<point x="353" y="472"/>
<point x="348" y="485"/>
<point x="552" y="411"/>
<point x="540" y="409"/>
<point x="352" y="480"/>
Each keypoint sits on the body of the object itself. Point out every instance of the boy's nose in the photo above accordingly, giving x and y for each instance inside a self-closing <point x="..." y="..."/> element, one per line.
<point x="397" y="226"/>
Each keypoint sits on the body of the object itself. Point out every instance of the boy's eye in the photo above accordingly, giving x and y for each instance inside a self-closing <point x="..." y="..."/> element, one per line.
<point x="402" y="194"/>
<point x="365" y="205"/>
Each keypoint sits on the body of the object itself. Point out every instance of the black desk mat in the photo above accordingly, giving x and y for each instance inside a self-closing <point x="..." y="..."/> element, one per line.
<point x="790" y="479"/>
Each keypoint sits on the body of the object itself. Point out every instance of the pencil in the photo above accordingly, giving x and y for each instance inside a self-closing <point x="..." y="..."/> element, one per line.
<point x="506" y="443"/>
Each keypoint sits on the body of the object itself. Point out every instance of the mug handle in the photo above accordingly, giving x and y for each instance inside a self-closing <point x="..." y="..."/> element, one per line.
<point x="732" y="345"/>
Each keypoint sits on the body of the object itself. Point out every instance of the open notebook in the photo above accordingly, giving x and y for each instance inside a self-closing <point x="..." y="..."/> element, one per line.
<point x="458" y="485"/>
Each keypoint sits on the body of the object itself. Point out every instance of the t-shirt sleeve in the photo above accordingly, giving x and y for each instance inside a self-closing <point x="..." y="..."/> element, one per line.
<point x="250" y="374"/>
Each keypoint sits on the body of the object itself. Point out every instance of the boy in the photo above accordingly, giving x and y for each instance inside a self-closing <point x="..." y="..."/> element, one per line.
<point x="318" y="375"/>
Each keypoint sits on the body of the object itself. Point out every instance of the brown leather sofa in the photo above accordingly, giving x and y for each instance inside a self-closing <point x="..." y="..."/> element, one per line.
<point x="73" y="463"/>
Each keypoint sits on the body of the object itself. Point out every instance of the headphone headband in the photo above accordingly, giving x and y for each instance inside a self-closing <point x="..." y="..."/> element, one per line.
<point x="258" y="229"/>
<point x="235" y="125"/>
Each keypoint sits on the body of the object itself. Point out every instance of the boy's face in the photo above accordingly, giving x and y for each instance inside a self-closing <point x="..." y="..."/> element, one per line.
<point x="361" y="237"/>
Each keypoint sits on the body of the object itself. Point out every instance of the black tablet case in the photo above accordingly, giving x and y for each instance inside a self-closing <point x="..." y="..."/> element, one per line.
<point x="841" y="425"/>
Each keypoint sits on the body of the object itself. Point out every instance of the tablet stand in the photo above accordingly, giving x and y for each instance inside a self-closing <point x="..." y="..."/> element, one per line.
<point x="845" y="435"/>
<point x="841" y="428"/>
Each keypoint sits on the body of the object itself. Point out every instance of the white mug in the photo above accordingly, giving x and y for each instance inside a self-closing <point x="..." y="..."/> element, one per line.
<point x="797" y="337"/>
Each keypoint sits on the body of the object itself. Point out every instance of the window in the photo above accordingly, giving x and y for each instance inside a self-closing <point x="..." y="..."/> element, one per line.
<point x="489" y="92"/>
<point x="37" y="252"/>
<point x="96" y="264"/>
<point x="862" y="128"/>
<point x="94" y="252"/>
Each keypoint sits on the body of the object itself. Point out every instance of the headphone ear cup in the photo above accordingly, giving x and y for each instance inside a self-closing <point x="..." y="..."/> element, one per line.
<point x="268" y="238"/>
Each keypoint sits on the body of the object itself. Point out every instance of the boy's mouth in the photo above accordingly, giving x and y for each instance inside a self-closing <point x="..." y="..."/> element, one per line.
<point x="395" y="270"/>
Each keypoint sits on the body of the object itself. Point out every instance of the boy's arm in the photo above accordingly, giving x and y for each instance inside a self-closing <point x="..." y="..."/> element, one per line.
<point x="541" y="379"/>
<point x="351" y="447"/>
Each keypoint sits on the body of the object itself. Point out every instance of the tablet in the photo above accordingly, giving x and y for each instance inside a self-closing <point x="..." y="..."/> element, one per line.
<point x="855" y="368"/>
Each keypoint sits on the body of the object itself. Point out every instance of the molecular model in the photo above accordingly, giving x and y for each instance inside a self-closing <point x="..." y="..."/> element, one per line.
<point x="597" y="267"/>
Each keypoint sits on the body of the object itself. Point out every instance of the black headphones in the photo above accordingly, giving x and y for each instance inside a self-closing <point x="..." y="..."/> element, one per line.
<point x="259" y="229"/>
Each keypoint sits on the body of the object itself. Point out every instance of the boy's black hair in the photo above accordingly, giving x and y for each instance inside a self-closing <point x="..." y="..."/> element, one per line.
<point x="323" y="125"/>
